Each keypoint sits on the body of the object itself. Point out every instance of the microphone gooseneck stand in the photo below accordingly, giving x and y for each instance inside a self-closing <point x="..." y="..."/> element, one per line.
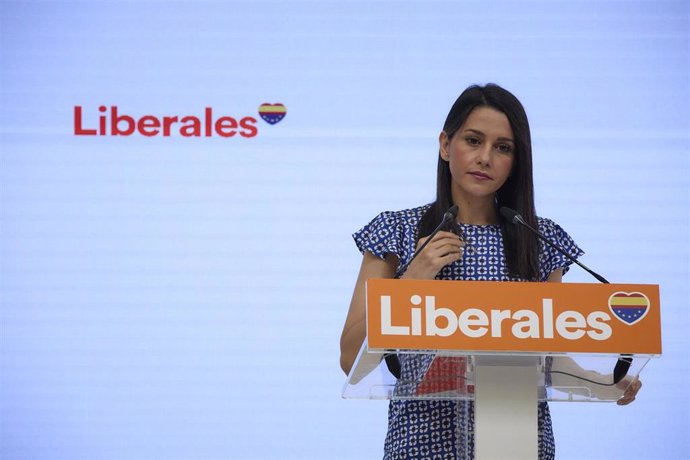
<point x="392" y="360"/>
<point x="512" y="216"/>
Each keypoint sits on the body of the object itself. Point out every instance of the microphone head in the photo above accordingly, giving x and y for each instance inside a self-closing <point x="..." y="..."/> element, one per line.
<point x="450" y="215"/>
<point x="510" y="215"/>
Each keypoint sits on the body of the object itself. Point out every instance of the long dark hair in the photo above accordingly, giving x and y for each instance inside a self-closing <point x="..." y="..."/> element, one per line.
<point x="520" y="246"/>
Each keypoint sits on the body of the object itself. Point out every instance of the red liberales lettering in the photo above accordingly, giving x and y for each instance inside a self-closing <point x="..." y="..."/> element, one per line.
<point x="148" y="125"/>
<point x="249" y="125"/>
<point x="78" y="126"/>
<point x="111" y="122"/>
<point x="167" y="122"/>
<point x="116" y="119"/>
<point x="102" y="121"/>
<point x="226" y="126"/>
<point x="192" y="129"/>
<point x="208" y="112"/>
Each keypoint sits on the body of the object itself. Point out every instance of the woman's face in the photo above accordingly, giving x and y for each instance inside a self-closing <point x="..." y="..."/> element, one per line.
<point x="480" y="155"/>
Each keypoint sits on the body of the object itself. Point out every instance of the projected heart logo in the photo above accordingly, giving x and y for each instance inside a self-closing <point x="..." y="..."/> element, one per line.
<point x="272" y="113"/>
<point x="629" y="307"/>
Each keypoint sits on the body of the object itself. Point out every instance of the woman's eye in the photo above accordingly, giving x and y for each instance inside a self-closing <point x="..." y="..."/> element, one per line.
<point x="472" y="140"/>
<point x="504" y="148"/>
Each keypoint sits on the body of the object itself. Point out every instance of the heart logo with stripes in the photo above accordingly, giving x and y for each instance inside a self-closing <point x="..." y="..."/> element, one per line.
<point x="272" y="113"/>
<point x="629" y="307"/>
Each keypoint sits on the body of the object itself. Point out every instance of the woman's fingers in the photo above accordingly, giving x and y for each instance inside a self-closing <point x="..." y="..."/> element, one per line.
<point x="443" y="249"/>
<point x="444" y="241"/>
<point x="450" y="258"/>
<point x="446" y="248"/>
<point x="630" y="393"/>
<point x="450" y="244"/>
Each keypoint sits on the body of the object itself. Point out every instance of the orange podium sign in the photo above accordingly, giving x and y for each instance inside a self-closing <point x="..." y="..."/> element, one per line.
<point x="513" y="316"/>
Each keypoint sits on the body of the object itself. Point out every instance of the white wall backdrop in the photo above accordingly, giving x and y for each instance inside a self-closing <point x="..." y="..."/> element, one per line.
<point x="182" y="298"/>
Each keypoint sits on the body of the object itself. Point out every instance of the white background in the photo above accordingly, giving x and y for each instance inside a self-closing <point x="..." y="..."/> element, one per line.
<point x="182" y="298"/>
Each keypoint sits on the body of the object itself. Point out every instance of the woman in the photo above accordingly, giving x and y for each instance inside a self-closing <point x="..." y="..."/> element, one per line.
<point x="485" y="163"/>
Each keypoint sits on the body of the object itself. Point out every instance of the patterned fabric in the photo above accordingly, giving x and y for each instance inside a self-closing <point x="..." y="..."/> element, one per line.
<point x="437" y="429"/>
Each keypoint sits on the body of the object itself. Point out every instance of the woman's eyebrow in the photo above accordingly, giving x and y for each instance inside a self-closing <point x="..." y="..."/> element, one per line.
<point x="476" y="131"/>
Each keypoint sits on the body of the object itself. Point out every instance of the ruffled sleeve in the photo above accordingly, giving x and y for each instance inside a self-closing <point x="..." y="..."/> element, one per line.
<point x="381" y="236"/>
<point x="550" y="259"/>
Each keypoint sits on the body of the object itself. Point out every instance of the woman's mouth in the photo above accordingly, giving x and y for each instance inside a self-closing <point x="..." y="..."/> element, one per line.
<point x="480" y="175"/>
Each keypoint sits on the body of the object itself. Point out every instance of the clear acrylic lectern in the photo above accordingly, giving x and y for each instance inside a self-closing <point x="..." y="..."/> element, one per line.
<point x="504" y="386"/>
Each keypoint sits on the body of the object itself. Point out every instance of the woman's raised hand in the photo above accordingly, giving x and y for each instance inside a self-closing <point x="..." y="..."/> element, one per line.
<point x="631" y="389"/>
<point x="444" y="248"/>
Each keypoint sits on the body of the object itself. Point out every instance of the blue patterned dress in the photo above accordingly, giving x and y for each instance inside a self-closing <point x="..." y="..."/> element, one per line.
<point x="437" y="429"/>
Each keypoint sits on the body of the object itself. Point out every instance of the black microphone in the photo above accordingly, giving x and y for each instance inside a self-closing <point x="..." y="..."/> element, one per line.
<point x="515" y="218"/>
<point x="392" y="360"/>
<point x="448" y="217"/>
<point x="512" y="216"/>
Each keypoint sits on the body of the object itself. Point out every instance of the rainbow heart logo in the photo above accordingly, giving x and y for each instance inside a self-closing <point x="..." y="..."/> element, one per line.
<point x="629" y="307"/>
<point x="272" y="113"/>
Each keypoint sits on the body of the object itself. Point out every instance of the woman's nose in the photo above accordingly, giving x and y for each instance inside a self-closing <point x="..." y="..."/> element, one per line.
<point x="484" y="154"/>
